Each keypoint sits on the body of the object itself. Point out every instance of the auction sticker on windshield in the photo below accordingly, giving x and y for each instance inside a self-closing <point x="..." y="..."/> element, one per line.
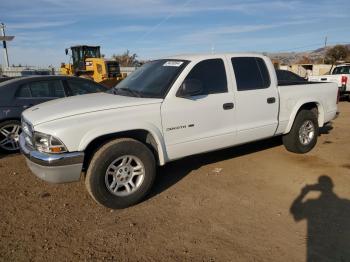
<point x="173" y="63"/>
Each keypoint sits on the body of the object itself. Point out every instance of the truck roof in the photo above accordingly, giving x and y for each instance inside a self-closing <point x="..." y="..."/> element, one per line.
<point x="200" y="56"/>
<point x="346" y="64"/>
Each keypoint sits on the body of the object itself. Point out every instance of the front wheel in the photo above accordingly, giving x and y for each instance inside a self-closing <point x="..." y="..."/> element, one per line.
<point x="121" y="173"/>
<point x="9" y="135"/>
<point x="303" y="135"/>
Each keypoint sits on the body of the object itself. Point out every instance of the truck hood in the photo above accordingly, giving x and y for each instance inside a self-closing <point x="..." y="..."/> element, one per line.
<point x="76" y="105"/>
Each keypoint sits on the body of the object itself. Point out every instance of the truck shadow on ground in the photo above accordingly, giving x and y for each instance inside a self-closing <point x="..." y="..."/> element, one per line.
<point x="328" y="222"/>
<point x="173" y="172"/>
<point x="325" y="129"/>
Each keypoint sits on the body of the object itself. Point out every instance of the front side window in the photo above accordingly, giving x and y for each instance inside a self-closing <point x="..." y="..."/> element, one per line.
<point x="212" y="76"/>
<point x="80" y="87"/>
<point x="251" y="73"/>
<point x="153" y="79"/>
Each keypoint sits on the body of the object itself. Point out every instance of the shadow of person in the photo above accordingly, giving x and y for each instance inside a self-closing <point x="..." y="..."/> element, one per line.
<point x="328" y="222"/>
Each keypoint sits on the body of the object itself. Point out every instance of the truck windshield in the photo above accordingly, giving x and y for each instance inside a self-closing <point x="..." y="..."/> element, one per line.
<point x="153" y="79"/>
<point x="341" y="70"/>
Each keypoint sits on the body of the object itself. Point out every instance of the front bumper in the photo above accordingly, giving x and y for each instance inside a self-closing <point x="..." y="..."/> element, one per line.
<point x="53" y="168"/>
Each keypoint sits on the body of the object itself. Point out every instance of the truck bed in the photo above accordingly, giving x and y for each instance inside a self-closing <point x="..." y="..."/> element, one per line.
<point x="293" y="95"/>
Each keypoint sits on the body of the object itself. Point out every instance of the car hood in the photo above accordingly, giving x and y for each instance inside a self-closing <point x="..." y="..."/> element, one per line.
<point x="76" y="105"/>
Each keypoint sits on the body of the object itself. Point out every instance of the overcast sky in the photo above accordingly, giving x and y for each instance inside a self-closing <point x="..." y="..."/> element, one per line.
<point x="155" y="28"/>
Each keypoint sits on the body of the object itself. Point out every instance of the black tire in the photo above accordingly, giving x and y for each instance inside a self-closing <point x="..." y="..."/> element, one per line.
<point x="9" y="123"/>
<point x="104" y="157"/>
<point x="291" y="140"/>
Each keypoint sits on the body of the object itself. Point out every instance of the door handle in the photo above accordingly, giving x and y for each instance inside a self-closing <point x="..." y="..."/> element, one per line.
<point x="227" y="106"/>
<point x="271" y="100"/>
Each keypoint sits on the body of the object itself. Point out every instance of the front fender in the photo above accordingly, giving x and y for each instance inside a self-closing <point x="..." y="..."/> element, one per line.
<point x="78" y="131"/>
<point x="104" y="130"/>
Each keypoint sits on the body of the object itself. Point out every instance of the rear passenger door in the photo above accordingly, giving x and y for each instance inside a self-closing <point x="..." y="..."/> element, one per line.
<point x="202" y="122"/>
<point x="257" y="98"/>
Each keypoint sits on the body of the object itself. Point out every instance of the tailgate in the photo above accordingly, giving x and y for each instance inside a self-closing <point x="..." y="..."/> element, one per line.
<point x="327" y="78"/>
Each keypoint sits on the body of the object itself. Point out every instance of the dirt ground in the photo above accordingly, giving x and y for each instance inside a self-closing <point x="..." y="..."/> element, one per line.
<point x="231" y="205"/>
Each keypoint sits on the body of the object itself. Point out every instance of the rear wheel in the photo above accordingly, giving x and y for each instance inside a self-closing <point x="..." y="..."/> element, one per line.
<point x="9" y="135"/>
<point x="121" y="173"/>
<point x="303" y="135"/>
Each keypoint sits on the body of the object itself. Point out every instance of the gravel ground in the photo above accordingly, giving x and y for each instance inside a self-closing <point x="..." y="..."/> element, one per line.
<point x="240" y="204"/>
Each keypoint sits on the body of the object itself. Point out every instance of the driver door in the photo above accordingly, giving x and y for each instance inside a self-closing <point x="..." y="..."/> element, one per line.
<point x="204" y="121"/>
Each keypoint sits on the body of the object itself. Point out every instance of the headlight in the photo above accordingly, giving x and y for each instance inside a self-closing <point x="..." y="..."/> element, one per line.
<point x="48" y="144"/>
<point x="88" y="63"/>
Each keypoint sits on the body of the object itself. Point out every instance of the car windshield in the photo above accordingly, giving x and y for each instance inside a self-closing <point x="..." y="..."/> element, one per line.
<point x="341" y="70"/>
<point x="153" y="79"/>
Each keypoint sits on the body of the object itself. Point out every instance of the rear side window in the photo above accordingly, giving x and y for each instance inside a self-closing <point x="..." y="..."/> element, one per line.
<point x="23" y="92"/>
<point x="251" y="73"/>
<point x="81" y="87"/>
<point x="211" y="73"/>
<point x="42" y="89"/>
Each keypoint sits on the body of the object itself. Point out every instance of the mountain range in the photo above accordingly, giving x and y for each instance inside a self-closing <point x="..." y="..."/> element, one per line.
<point x="288" y="58"/>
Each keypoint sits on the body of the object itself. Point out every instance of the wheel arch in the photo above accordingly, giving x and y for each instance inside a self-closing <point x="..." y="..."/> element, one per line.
<point x="151" y="140"/>
<point x="313" y="106"/>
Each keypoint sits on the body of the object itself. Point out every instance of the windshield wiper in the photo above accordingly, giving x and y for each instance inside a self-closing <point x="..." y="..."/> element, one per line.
<point x="129" y="91"/>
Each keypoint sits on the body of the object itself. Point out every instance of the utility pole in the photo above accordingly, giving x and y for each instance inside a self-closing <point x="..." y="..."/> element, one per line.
<point x="325" y="48"/>
<point x="212" y="48"/>
<point x="4" y="39"/>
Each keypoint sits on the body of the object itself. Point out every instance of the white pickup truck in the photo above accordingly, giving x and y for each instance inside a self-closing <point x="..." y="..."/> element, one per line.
<point x="169" y="109"/>
<point x="340" y="75"/>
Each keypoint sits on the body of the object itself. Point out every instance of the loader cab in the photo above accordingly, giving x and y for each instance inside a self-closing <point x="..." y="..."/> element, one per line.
<point x="81" y="53"/>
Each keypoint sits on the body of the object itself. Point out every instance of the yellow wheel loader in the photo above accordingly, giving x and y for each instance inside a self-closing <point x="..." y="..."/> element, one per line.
<point x="87" y="62"/>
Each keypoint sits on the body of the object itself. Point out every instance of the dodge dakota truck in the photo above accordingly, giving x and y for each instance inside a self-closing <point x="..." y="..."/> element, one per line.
<point x="166" y="110"/>
<point x="340" y="75"/>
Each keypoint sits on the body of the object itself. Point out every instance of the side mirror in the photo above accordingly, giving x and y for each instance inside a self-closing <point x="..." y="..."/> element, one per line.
<point x="190" y="87"/>
<point x="66" y="51"/>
